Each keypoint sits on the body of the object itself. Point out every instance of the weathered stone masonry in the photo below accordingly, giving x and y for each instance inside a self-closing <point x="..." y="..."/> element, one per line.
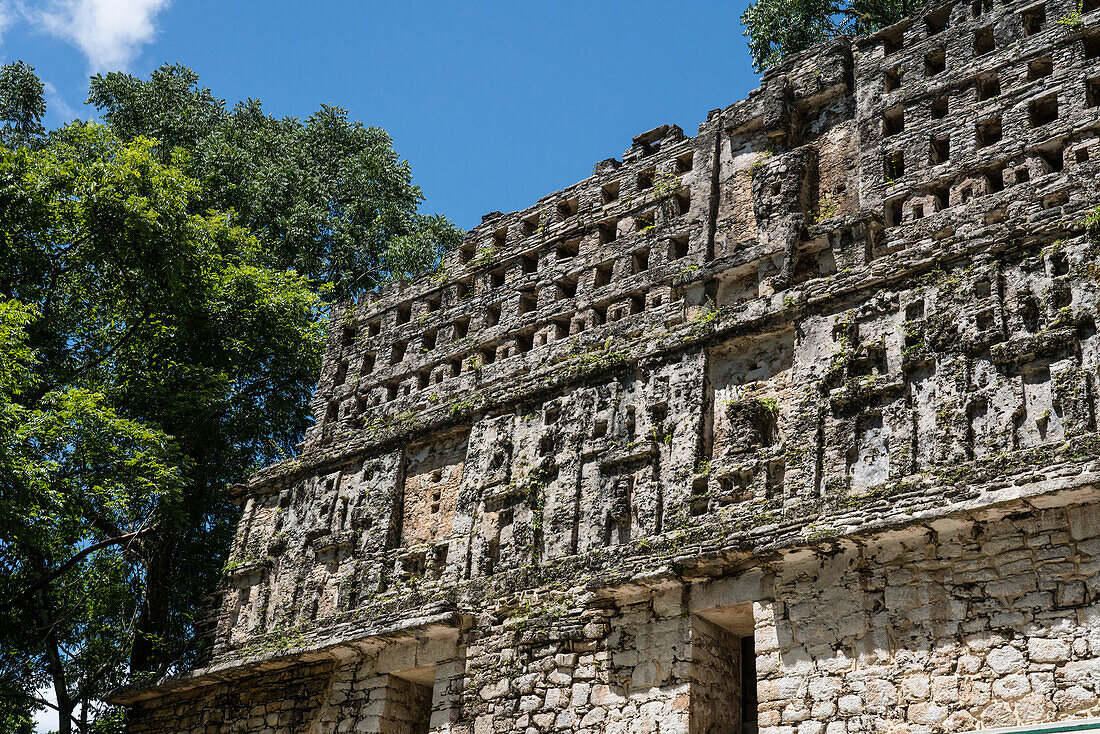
<point x="791" y="425"/>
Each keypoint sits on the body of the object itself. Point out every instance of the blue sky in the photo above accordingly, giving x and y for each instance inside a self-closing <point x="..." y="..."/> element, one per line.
<point x="494" y="103"/>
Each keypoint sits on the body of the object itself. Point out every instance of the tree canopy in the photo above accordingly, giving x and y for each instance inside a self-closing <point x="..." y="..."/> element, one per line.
<point x="777" y="28"/>
<point x="163" y="284"/>
<point x="328" y="195"/>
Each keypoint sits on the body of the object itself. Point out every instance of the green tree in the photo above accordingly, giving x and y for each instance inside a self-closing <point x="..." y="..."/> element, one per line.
<point x="22" y="105"/>
<point x="137" y="338"/>
<point x="161" y="323"/>
<point x="329" y="196"/>
<point x="777" y="28"/>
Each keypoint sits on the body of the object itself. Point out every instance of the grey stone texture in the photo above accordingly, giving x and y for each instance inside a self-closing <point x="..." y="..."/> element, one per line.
<point x="809" y="398"/>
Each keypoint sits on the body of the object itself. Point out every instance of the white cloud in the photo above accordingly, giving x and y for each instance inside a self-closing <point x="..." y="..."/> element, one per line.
<point x="109" y="32"/>
<point x="7" y="17"/>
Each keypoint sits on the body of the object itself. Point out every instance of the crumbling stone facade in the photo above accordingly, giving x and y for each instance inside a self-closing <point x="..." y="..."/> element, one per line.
<point x="789" y="427"/>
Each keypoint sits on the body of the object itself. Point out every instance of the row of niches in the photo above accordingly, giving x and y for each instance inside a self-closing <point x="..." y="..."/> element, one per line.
<point x="1053" y="158"/>
<point x="846" y="410"/>
<point x="653" y="229"/>
<point x="586" y="218"/>
<point x="1029" y="81"/>
<point x="983" y="39"/>
<point x="980" y="362"/>
<point x="653" y="181"/>
<point x="611" y="292"/>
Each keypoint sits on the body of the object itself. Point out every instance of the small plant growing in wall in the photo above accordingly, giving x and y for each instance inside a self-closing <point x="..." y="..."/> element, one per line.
<point x="1071" y="21"/>
<point x="826" y="208"/>
<point x="1091" y="223"/>
<point x="485" y="254"/>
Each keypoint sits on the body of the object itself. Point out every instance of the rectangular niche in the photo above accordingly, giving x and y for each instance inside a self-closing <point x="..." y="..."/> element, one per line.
<point x="723" y="693"/>
<point x="749" y="381"/>
<point x="408" y="706"/>
<point x="433" y="475"/>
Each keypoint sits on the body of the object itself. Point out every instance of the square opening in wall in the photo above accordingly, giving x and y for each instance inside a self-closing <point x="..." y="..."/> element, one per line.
<point x="567" y="288"/>
<point x="568" y="208"/>
<point x="530" y="263"/>
<point x="404" y="313"/>
<point x="639" y="261"/>
<point x="374" y="328"/>
<point x="496" y="278"/>
<point x="347" y="336"/>
<point x="1087" y="6"/>
<point x="529" y="225"/>
<point x="1053" y="158"/>
<point x="608" y="231"/>
<point x="645" y="180"/>
<point x="941" y="195"/>
<point x="1091" y="43"/>
<point x="893" y="120"/>
<point x="983" y="41"/>
<point x="1040" y="68"/>
<point x="527" y="303"/>
<point x="892" y="39"/>
<point x="492" y="316"/>
<point x="523" y="343"/>
<point x="466" y="253"/>
<point x="682" y="203"/>
<point x="1081" y="155"/>
<point x="1023" y="175"/>
<point x="894" y="166"/>
<point x="685" y="162"/>
<point x="609" y="192"/>
<point x="460" y="329"/>
<point x="428" y="340"/>
<point x="980" y="7"/>
<point x="398" y="353"/>
<point x="995" y="179"/>
<point x="434" y="302"/>
<point x="937" y="21"/>
<point x="939" y="151"/>
<point x="678" y="247"/>
<point x="1092" y="92"/>
<point x="891" y="79"/>
<point x="895" y="209"/>
<point x="1033" y="19"/>
<point x="368" y="364"/>
<point x="987" y="87"/>
<point x="1043" y="111"/>
<point x="500" y="238"/>
<point x="603" y="274"/>
<point x="644" y="222"/>
<point x="988" y="132"/>
<point x="567" y="250"/>
<point x="938" y="108"/>
<point x="935" y="62"/>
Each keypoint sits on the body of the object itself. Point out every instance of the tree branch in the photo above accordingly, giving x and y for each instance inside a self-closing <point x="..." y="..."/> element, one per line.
<point x="64" y="567"/>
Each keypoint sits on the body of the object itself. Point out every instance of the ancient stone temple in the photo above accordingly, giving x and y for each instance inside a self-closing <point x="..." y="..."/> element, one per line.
<point x="789" y="427"/>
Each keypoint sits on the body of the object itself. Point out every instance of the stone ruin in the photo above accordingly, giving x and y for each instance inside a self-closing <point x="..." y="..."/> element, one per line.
<point x="789" y="427"/>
